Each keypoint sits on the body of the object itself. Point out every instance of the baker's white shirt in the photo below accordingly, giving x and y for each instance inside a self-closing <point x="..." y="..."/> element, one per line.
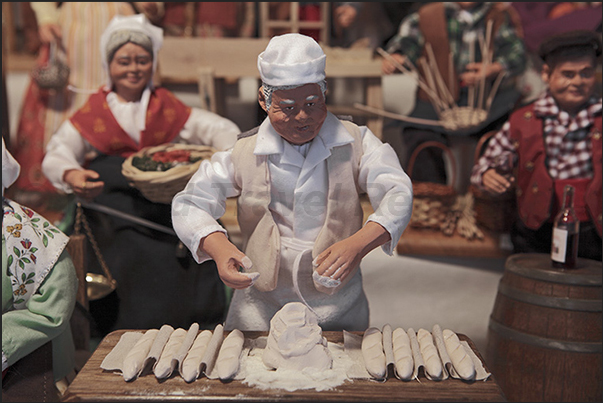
<point x="67" y="149"/>
<point x="299" y="185"/>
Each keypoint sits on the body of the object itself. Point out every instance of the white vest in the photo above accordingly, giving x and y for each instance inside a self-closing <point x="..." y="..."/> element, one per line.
<point x="261" y="239"/>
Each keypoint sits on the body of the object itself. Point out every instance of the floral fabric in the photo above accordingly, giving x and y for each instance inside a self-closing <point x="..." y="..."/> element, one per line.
<point x="33" y="246"/>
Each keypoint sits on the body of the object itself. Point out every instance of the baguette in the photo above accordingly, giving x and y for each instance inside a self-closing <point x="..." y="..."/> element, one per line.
<point x="164" y="366"/>
<point x="463" y="364"/>
<point x="373" y="354"/>
<point x="191" y="365"/>
<point x="134" y="360"/>
<point x="227" y="363"/>
<point x="433" y="364"/>
<point x="402" y="354"/>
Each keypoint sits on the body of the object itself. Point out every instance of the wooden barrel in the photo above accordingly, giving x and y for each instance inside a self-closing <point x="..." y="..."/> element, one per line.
<point x="544" y="334"/>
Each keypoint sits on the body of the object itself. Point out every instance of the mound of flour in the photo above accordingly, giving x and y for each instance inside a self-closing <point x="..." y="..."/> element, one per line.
<point x="296" y="355"/>
<point x="295" y="340"/>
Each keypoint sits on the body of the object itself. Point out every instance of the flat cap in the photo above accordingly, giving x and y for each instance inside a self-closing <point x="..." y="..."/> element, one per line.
<point x="570" y="39"/>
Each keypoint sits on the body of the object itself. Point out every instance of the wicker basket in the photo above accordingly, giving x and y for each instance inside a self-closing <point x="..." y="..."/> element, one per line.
<point x="494" y="212"/>
<point x="432" y="201"/>
<point x="462" y="118"/>
<point x="162" y="186"/>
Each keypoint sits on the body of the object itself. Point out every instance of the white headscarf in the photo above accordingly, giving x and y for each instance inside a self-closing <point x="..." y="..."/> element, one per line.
<point x="10" y="168"/>
<point x="292" y="59"/>
<point x="137" y="22"/>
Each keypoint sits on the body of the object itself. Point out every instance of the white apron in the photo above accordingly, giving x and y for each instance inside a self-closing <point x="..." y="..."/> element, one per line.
<point x="347" y="309"/>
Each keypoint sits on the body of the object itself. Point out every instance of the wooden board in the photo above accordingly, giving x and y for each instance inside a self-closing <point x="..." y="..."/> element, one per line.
<point x="96" y="385"/>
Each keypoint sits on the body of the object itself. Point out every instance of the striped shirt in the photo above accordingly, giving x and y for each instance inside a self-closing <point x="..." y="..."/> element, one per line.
<point x="567" y="141"/>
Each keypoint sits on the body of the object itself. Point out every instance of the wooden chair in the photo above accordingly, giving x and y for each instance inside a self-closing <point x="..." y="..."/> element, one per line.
<point x="31" y="379"/>
<point x="80" y="319"/>
<point x="279" y="17"/>
<point x="80" y="323"/>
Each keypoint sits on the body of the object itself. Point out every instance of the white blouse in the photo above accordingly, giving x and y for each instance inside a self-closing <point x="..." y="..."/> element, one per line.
<point x="67" y="149"/>
<point x="299" y="181"/>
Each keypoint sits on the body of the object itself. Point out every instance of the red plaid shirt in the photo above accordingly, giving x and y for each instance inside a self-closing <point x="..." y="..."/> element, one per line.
<point x="567" y="141"/>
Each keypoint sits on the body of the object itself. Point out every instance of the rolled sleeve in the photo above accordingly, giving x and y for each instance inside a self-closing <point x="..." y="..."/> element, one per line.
<point x="388" y="187"/>
<point x="208" y="128"/>
<point x="65" y="151"/>
<point x="196" y="209"/>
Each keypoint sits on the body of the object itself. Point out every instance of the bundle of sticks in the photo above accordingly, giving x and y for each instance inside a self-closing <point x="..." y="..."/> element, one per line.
<point x="450" y="115"/>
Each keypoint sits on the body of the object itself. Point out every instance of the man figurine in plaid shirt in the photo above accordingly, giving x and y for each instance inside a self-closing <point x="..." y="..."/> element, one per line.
<point x="456" y="29"/>
<point x="553" y="141"/>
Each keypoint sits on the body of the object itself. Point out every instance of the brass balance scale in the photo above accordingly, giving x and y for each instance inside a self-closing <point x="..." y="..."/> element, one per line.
<point x="100" y="285"/>
<point x="97" y="285"/>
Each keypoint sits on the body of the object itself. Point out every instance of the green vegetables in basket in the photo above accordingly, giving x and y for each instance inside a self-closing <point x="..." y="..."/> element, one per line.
<point x="164" y="160"/>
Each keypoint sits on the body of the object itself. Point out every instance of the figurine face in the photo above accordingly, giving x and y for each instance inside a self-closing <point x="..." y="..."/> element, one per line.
<point x="297" y="114"/>
<point x="571" y="83"/>
<point x="131" y="69"/>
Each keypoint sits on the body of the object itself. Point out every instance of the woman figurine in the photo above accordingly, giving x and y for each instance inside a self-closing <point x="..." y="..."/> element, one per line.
<point x="39" y="286"/>
<point x="74" y="29"/>
<point x="84" y="157"/>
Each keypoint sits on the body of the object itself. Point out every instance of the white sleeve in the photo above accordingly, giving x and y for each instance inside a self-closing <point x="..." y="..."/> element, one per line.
<point x="195" y="210"/>
<point x="388" y="187"/>
<point x="66" y="150"/>
<point x="208" y="128"/>
<point x="46" y="12"/>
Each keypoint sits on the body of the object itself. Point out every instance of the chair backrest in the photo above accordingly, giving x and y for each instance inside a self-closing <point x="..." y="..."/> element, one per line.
<point x="80" y="320"/>
<point x="279" y="17"/>
<point x="77" y="249"/>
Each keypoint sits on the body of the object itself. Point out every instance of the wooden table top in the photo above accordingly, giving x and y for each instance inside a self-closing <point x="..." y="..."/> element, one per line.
<point x="418" y="241"/>
<point x="94" y="384"/>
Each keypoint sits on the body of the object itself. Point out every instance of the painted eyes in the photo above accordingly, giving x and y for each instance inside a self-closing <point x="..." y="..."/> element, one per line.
<point x="292" y="107"/>
<point x="583" y="74"/>
<point x="143" y="61"/>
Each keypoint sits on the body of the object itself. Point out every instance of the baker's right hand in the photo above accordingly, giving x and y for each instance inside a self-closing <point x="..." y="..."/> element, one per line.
<point x="229" y="260"/>
<point x="84" y="183"/>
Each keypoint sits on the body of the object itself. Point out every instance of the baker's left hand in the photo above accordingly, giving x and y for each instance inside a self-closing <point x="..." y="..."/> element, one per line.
<point x="339" y="259"/>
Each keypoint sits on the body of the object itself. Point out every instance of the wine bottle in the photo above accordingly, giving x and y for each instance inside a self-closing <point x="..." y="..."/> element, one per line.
<point x="564" y="247"/>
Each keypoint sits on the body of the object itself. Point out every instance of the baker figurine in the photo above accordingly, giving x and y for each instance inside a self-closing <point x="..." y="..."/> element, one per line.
<point x="299" y="178"/>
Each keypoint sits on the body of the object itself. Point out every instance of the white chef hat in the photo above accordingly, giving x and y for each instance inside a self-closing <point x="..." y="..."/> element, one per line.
<point x="292" y="59"/>
<point x="136" y="23"/>
<point x="10" y="168"/>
